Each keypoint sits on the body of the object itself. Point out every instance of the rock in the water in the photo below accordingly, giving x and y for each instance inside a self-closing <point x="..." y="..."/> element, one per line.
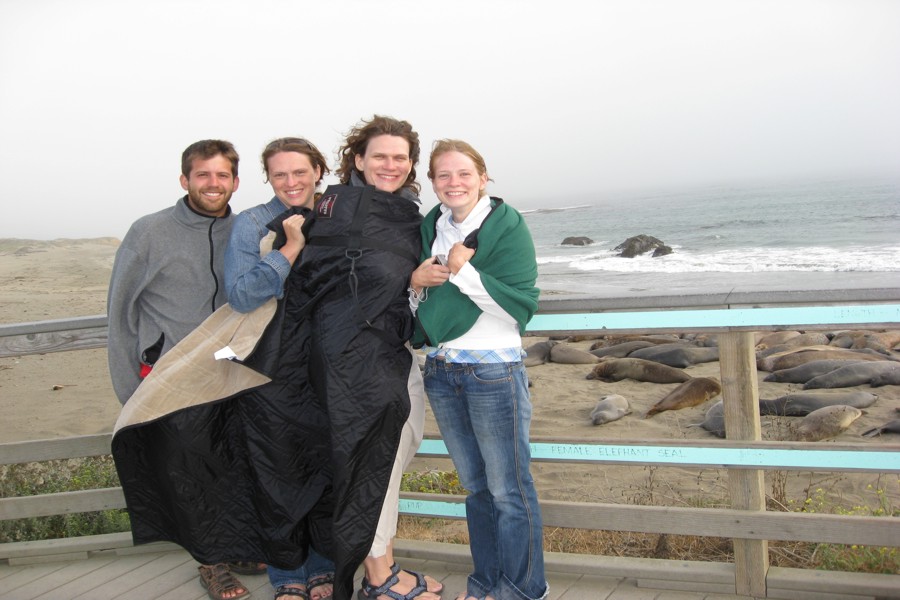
<point x="641" y="244"/>
<point x="577" y="240"/>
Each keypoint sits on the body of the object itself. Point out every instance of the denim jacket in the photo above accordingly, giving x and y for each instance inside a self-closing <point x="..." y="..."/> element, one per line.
<point x="249" y="279"/>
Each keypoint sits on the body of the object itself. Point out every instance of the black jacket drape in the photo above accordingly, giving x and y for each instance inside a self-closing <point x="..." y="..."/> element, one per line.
<point x="305" y="459"/>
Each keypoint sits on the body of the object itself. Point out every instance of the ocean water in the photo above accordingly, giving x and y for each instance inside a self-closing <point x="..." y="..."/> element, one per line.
<point x="767" y="234"/>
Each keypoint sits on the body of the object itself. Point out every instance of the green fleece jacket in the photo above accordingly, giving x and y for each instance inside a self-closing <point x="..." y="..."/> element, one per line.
<point x="504" y="259"/>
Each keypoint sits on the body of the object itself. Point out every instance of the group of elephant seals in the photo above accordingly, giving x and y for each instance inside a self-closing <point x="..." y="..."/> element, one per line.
<point x="776" y="338"/>
<point x="662" y="338"/>
<point x="826" y="422"/>
<point x="617" y="369"/>
<point x="777" y="362"/>
<point x="810" y="338"/>
<point x="883" y="341"/>
<point x="610" y="408"/>
<point x="620" y="350"/>
<point x="800" y="404"/>
<point x="693" y="392"/>
<point x="853" y="374"/>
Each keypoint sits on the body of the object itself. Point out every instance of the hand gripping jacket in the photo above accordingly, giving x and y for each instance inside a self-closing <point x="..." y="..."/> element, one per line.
<point x="305" y="459"/>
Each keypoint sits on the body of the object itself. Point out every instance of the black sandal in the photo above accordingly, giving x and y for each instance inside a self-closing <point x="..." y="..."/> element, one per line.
<point x="419" y="578"/>
<point x="369" y="592"/>
<point x="283" y="591"/>
<point x="319" y="581"/>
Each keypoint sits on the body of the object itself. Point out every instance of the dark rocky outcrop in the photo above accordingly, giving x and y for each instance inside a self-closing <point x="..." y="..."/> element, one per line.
<point x="578" y="240"/>
<point x="641" y="244"/>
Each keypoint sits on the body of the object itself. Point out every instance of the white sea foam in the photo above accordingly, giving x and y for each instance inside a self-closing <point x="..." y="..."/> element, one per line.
<point x="740" y="260"/>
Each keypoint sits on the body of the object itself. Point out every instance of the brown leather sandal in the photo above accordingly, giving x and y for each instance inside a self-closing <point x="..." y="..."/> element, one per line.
<point x="218" y="580"/>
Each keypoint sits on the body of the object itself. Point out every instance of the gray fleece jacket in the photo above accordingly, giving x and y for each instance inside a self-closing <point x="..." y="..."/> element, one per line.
<point x="166" y="279"/>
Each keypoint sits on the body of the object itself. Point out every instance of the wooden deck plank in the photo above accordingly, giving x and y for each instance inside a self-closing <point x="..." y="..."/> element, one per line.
<point x="88" y="578"/>
<point x="57" y="582"/>
<point x="193" y="590"/>
<point x="629" y="590"/>
<point x="181" y="573"/>
<point x="669" y="595"/>
<point x="22" y="576"/>
<point x="586" y="587"/>
<point x="158" y="566"/>
<point x="874" y="584"/>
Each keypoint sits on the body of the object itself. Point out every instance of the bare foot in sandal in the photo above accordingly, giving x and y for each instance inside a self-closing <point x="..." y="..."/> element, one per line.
<point x="321" y="587"/>
<point x="290" y="591"/>
<point x="433" y="585"/>
<point x="406" y="586"/>
<point x="220" y="583"/>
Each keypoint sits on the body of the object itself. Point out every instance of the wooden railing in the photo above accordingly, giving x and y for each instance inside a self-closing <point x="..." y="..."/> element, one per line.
<point x="733" y="317"/>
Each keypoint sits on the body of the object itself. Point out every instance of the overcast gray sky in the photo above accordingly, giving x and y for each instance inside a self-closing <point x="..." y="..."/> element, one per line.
<point x="570" y="102"/>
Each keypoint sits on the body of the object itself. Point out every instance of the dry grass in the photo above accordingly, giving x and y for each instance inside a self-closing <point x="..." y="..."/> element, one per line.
<point x="820" y="494"/>
<point x="802" y="555"/>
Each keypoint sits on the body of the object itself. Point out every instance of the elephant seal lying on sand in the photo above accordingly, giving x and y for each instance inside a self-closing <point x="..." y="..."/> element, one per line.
<point x="825" y="423"/>
<point x="566" y="354"/>
<point x="714" y="420"/>
<point x="693" y="392"/>
<point x="853" y="374"/>
<point x="800" y="404"/>
<point x="805" y="372"/>
<point x="538" y="354"/>
<point x="678" y="355"/>
<point x="610" y="408"/>
<point x="617" y="369"/>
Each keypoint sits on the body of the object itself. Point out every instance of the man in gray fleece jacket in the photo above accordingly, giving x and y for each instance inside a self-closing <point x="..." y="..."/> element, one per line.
<point x="167" y="278"/>
<point x="167" y="275"/>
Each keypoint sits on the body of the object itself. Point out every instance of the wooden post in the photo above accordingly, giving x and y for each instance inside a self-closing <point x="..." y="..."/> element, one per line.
<point x="740" y="392"/>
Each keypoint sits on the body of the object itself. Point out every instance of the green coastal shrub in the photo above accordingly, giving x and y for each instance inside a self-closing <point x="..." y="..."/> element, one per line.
<point x="56" y="476"/>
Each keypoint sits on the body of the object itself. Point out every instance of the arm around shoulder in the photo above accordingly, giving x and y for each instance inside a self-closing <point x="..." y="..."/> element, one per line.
<point x="249" y="279"/>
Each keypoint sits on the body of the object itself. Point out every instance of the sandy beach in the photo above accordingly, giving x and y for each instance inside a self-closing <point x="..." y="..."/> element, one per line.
<point x="69" y="393"/>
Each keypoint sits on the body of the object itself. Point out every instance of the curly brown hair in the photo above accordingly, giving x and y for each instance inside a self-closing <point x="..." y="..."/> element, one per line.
<point x="358" y="139"/>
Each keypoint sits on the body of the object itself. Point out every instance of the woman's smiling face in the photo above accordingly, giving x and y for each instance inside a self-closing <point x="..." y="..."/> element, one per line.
<point x="457" y="183"/>
<point x="386" y="163"/>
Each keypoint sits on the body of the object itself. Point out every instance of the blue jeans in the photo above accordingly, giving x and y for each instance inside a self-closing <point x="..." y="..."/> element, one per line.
<point x="315" y="564"/>
<point x="484" y="413"/>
